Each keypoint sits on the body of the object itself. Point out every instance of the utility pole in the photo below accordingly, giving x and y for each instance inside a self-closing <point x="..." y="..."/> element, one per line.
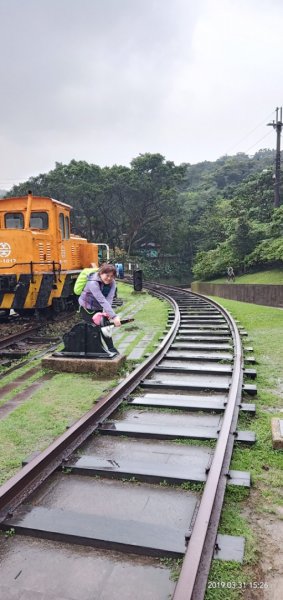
<point x="278" y="126"/>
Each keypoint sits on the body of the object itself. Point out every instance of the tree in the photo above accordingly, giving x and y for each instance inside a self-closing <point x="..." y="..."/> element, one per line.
<point x="150" y="197"/>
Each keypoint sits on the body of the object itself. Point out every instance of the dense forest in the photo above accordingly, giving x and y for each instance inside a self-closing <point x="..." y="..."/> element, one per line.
<point x="201" y="218"/>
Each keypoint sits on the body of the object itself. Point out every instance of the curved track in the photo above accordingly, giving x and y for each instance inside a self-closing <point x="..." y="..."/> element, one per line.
<point x="149" y="483"/>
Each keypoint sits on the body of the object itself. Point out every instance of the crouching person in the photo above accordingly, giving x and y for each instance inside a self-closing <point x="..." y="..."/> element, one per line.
<point x="98" y="295"/>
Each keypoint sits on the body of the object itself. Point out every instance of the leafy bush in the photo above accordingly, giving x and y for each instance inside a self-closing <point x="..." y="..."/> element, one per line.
<point x="156" y="270"/>
<point x="267" y="252"/>
<point x="215" y="262"/>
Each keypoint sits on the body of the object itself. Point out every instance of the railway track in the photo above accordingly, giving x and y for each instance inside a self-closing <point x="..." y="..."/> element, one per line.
<point x="140" y="477"/>
<point x="13" y="338"/>
<point x="20" y="338"/>
<point x="14" y="347"/>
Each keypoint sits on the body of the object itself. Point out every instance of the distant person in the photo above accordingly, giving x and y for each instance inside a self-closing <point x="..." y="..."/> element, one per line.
<point x="117" y="269"/>
<point x="98" y="295"/>
<point x="230" y="274"/>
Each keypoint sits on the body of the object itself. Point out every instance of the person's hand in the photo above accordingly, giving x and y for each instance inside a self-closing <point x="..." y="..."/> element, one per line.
<point x="117" y="322"/>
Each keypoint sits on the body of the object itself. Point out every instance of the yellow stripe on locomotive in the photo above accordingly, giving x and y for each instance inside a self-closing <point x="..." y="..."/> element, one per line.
<point x="40" y="258"/>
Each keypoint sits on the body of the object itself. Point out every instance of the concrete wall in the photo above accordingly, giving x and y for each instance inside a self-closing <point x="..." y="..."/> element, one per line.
<point x="268" y="295"/>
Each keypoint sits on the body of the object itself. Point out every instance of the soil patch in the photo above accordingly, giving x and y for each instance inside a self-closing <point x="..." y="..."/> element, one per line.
<point x="266" y="578"/>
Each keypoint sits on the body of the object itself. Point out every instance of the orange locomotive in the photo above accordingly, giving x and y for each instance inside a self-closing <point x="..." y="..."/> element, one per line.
<point x="39" y="257"/>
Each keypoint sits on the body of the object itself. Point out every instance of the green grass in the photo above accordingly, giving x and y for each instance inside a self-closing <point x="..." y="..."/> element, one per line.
<point x="271" y="276"/>
<point x="42" y="418"/>
<point x="265" y="327"/>
<point x="66" y="397"/>
<point x="21" y="385"/>
<point x="227" y="579"/>
<point x="151" y="318"/>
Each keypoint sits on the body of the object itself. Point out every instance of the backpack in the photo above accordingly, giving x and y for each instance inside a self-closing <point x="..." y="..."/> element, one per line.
<point x="82" y="280"/>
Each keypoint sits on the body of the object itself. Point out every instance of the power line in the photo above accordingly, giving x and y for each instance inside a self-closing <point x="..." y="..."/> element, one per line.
<point x="250" y="132"/>
<point x="262" y="138"/>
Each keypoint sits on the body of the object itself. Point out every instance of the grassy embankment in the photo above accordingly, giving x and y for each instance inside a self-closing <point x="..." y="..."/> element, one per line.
<point x="242" y="508"/>
<point x="268" y="277"/>
<point x="66" y="397"/>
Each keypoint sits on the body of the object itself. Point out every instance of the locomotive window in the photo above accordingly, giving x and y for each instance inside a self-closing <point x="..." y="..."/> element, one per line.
<point x="39" y="220"/>
<point x="67" y="228"/>
<point x="14" y="221"/>
<point x="62" y="225"/>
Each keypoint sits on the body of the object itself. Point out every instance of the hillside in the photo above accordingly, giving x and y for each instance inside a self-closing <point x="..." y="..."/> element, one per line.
<point x="268" y="277"/>
<point x="227" y="172"/>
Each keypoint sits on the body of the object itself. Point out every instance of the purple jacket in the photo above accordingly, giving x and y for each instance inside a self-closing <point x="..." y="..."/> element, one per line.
<point x="92" y="298"/>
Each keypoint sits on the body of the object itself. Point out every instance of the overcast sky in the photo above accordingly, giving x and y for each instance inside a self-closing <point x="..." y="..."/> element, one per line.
<point x="105" y="80"/>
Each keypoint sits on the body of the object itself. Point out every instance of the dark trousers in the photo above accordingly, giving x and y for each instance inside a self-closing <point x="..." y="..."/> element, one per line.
<point x="87" y="315"/>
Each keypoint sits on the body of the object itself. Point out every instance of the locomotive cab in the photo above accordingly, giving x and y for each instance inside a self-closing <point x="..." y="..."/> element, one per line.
<point x="39" y="257"/>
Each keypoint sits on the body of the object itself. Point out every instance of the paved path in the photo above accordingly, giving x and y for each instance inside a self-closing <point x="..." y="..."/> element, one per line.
<point x="124" y="339"/>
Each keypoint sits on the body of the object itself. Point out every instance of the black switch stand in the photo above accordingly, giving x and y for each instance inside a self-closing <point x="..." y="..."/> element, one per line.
<point x="87" y="341"/>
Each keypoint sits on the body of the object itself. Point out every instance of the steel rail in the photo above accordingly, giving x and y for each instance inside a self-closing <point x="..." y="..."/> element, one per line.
<point x="194" y="574"/>
<point x="16" y="337"/>
<point x="18" y="488"/>
<point x="192" y="582"/>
